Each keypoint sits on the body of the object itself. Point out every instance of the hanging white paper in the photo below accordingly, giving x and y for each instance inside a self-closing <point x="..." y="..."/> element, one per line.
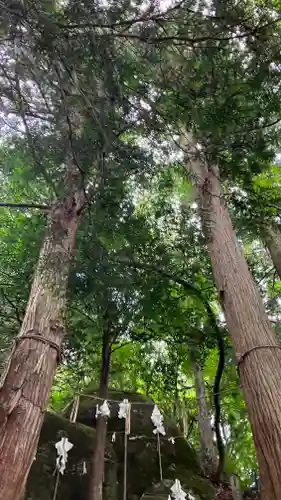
<point x="177" y="491"/>
<point x="125" y="412"/>
<point x="158" y="420"/>
<point x="124" y="409"/>
<point x="160" y="430"/>
<point x="113" y="437"/>
<point x="63" y="446"/>
<point x="103" y="410"/>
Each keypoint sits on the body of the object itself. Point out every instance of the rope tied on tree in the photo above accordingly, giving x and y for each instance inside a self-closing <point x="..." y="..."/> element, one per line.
<point x="43" y="339"/>
<point x="243" y="356"/>
<point x="29" y="335"/>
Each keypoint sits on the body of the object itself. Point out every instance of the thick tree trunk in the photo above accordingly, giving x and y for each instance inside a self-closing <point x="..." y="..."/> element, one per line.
<point x="27" y="380"/>
<point x="273" y="242"/>
<point x="217" y="406"/>
<point x="254" y="341"/>
<point x="97" y="470"/>
<point x="209" y="461"/>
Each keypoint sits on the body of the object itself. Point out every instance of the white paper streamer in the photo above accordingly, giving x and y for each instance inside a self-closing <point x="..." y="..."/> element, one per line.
<point x="158" y="420"/>
<point x="63" y="446"/>
<point x="178" y="493"/>
<point x="125" y="412"/>
<point x="124" y="409"/>
<point x="103" y="410"/>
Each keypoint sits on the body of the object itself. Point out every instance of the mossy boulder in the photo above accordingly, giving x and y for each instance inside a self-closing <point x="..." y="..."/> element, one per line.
<point x="179" y="460"/>
<point x="73" y="484"/>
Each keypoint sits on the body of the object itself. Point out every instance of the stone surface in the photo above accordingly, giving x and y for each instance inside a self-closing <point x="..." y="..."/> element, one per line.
<point x="72" y="485"/>
<point x="179" y="460"/>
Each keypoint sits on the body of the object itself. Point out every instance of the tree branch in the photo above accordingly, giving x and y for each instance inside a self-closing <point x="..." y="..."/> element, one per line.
<point x="145" y="16"/>
<point x="191" y="425"/>
<point x="13" y="306"/>
<point x="151" y="267"/>
<point x="24" y="205"/>
<point x="213" y="322"/>
<point x="84" y="314"/>
<point x="21" y="105"/>
<point x="120" y="346"/>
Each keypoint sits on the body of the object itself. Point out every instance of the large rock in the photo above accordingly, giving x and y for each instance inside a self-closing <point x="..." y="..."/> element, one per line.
<point x="73" y="484"/>
<point x="178" y="459"/>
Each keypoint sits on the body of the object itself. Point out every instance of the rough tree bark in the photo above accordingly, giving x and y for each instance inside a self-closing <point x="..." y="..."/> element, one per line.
<point x="27" y="379"/>
<point x="209" y="461"/>
<point x="254" y="342"/>
<point x="272" y="240"/>
<point x="97" y="469"/>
